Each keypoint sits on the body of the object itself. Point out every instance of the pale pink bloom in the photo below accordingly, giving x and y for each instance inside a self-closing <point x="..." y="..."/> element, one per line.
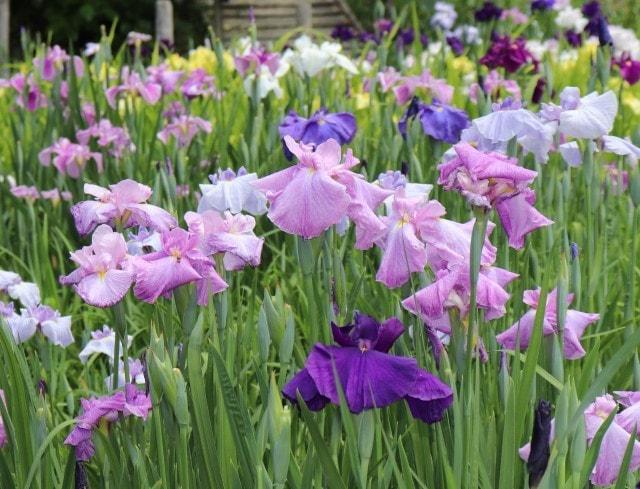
<point x="229" y="234"/>
<point x="183" y="129"/>
<point x="199" y="83"/>
<point x="69" y="158"/>
<point x="112" y="138"/>
<point x="132" y="84"/>
<point x="123" y="203"/>
<point x="102" y="278"/>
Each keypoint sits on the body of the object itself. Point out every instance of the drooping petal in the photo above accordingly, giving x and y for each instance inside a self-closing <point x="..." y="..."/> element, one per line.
<point x="58" y="330"/>
<point x="154" y="278"/>
<point x="303" y="383"/>
<point x="104" y="289"/>
<point x="592" y="118"/>
<point x="611" y="454"/>
<point x="519" y="217"/>
<point x="403" y="254"/>
<point x="575" y="324"/>
<point x="429" y="397"/>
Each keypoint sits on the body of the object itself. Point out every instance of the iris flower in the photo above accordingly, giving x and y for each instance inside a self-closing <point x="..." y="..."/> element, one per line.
<point x="69" y="158"/>
<point x="103" y="277"/>
<point x="183" y="129"/>
<point x="124" y="203"/>
<point x="132" y="84"/>
<point x="233" y="191"/>
<point x="369" y="375"/>
<point x="575" y="324"/>
<point x="319" y="190"/>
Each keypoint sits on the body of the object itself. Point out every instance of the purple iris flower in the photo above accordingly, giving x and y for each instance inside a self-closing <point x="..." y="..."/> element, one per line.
<point x="406" y="36"/>
<point x="573" y="38"/>
<point x="591" y="9"/>
<point x="602" y="30"/>
<point x="440" y="121"/>
<point x="507" y="53"/>
<point x="488" y="12"/>
<point x="455" y="43"/>
<point x="629" y="69"/>
<point x="383" y="25"/>
<point x="343" y="32"/>
<point x="443" y="122"/>
<point x="320" y="127"/>
<point x="542" y="4"/>
<point x="368" y="374"/>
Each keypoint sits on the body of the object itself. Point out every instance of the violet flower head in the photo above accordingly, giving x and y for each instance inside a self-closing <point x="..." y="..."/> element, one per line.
<point x="443" y="122"/>
<point x="575" y="324"/>
<point x="542" y="4"/>
<point x="163" y="76"/>
<point x="254" y="59"/>
<point x="320" y="190"/>
<point x="183" y="129"/>
<point x="102" y="342"/>
<point x="69" y="158"/>
<point x="102" y="278"/>
<point x="130" y="402"/>
<point x="133" y="85"/>
<point x="456" y="45"/>
<point x="55" y="327"/>
<point x="232" y="191"/>
<point x="507" y="53"/>
<point x="383" y="26"/>
<point x="320" y="127"/>
<point x="573" y="38"/>
<point x="179" y="262"/>
<point x="444" y="17"/>
<point x="29" y="94"/>
<point x="343" y="32"/>
<point x="123" y="203"/>
<point x="369" y="375"/>
<point x="488" y="12"/>
<point x="52" y="63"/>
<point x="629" y="69"/>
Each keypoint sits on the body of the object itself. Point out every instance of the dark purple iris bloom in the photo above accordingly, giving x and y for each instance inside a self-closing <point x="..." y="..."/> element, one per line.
<point x="369" y="376"/>
<point x="368" y="37"/>
<point x="507" y="53"/>
<point x="320" y="127"/>
<point x="538" y="91"/>
<point x="406" y="36"/>
<point x="629" y="69"/>
<point x="412" y="111"/>
<point x="574" y="38"/>
<point x="455" y="43"/>
<point x="489" y="11"/>
<point x="602" y="30"/>
<point x="383" y="25"/>
<point x="443" y="122"/>
<point x="424" y="40"/>
<point x="591" y="9"/>
<point x="542" y="4"/>
<point x="343" y="32"/>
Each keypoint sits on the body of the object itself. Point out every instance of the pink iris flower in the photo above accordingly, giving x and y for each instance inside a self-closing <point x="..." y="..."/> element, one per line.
<point x="132" y="84"/>
<point x="495" y="180"/>
<point x="123" y="203"/>
<point x="408" y="85"/>
<point x="29" y="96"/>
<point x="163" y="76"/>
<point x="229" y="234"/>
<point x="180" y="261"/>
<point x="103" y="277"/>
<point x="318" y="191"/>
<point x="184" y="128"/>
<point x="575" y="324"/>
<point x="254" y="59"/>
<point x="69" y="158"/>
<point x="113" y="138"/>
<point x="404" y="251"/>
<point x="198" y="84"/>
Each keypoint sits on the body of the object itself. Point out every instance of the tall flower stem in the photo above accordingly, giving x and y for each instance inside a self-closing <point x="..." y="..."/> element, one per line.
<point x="121" y="337"/>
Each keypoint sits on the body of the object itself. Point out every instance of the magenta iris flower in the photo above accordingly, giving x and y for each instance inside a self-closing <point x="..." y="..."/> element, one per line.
<point x="29" y="95"/>
<point x="318" y="191"/>
<point x="124" y="203"/>
<point x="179" y="262"/>
<point x="254" y="59"/>
<point x="629" y="69"/>
<point x="130" y="402"/>
<point x="320" y="127"/>
<point x="69" y="158"/>
<point x="132" y="84"/>
<point x="495" y="180"/>
<point x="507" y="53"/>
<point x="103" y="277"/>
<point x="183" y="129"/>
<point x="163" y="76"/>
<point x="405" y="87"/>
<point x="575" y="324"/>
<point x="229" y="234"/>
<point x="369" y="375"/>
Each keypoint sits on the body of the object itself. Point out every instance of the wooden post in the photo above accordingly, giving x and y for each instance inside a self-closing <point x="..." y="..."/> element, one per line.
<point x="164" y="20"/>
<point x="305" y="17"/>
<point x="4" y="30"/>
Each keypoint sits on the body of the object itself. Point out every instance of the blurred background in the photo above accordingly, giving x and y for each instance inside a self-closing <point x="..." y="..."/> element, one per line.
<point x="76" y="22"/>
